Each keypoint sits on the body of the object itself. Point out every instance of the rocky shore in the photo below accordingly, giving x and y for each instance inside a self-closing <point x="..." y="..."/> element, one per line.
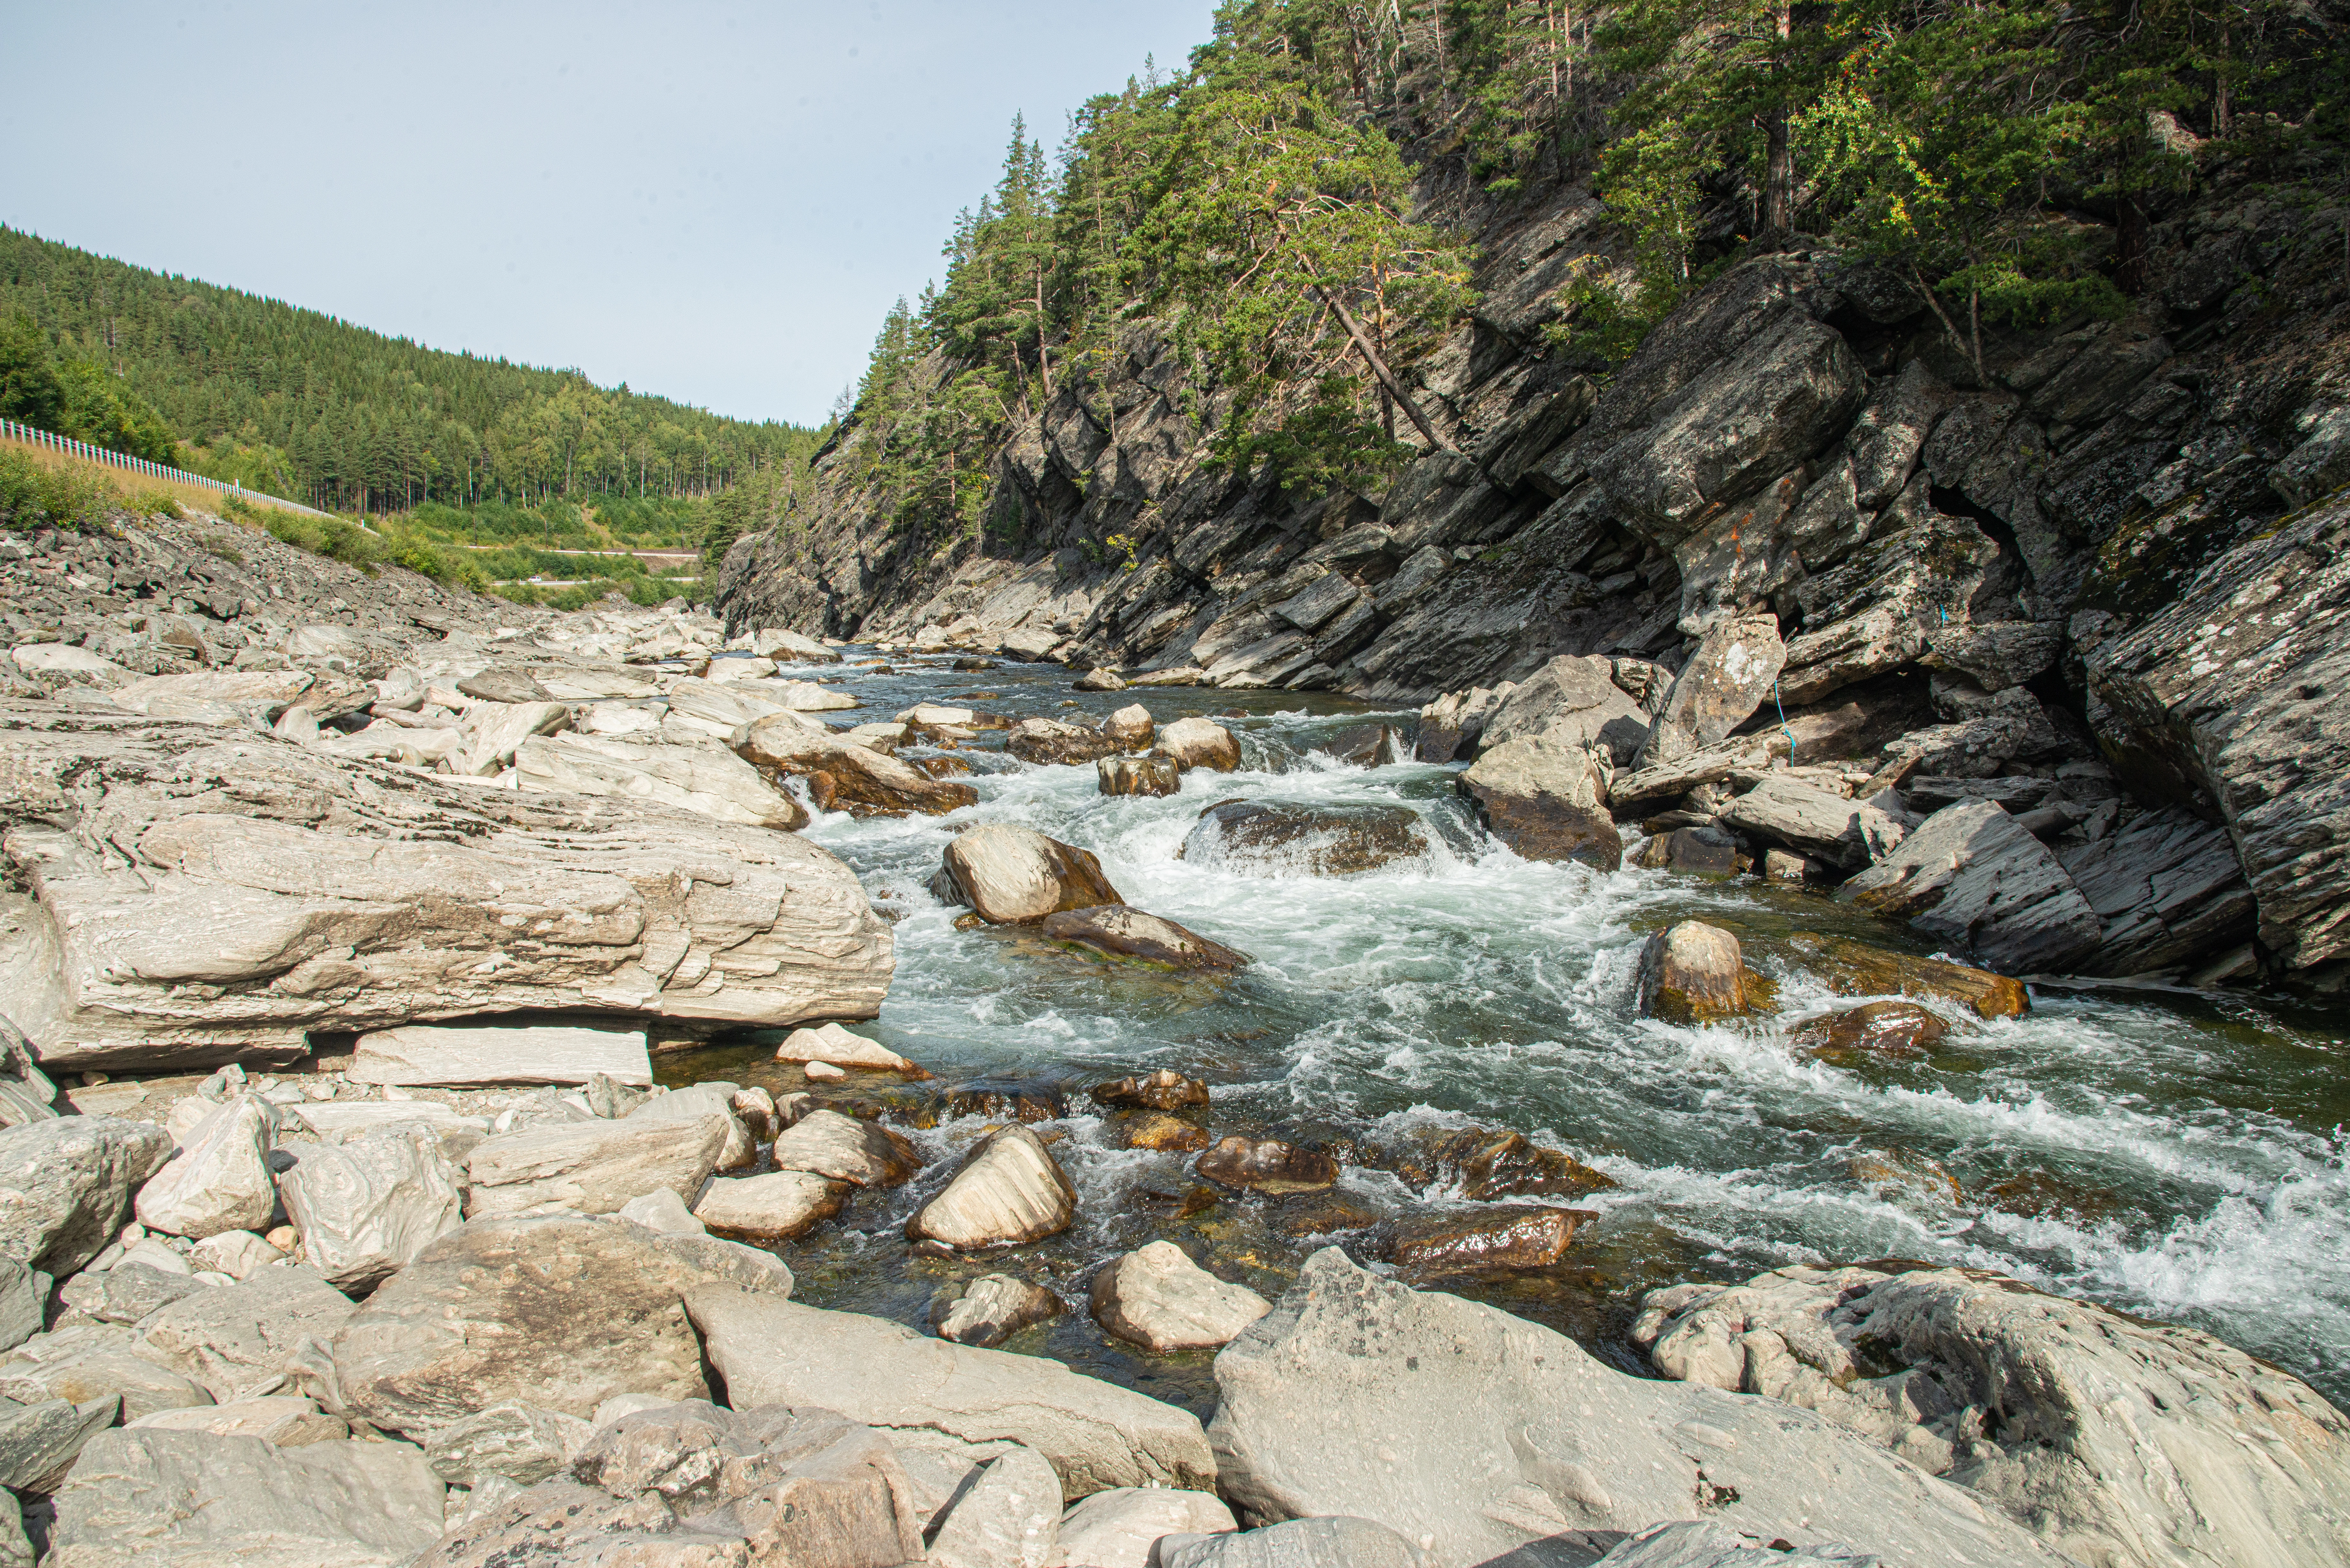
<point x="349" y="923"/>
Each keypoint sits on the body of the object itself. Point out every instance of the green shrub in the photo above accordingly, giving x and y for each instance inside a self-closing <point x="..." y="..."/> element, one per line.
<point x="63" y="496"/>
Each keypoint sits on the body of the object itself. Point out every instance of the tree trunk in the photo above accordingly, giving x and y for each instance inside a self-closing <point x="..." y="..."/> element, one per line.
<point x="1779" y="169"/>
<point x="2129" y="250"/>
<point x="1043" y="359"/>
<point x="1387" y="378"/>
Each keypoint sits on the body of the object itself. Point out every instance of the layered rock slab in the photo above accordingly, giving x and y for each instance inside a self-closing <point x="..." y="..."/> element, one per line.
<point x="257" y="890"/>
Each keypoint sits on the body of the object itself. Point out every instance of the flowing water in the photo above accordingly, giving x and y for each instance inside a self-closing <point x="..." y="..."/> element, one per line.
<point x="2176" y="1156"/>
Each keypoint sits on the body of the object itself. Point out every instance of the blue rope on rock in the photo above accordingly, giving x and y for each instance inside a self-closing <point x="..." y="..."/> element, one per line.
<point x="1783" y="720"/>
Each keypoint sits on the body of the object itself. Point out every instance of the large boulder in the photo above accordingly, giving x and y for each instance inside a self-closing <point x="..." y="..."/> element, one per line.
<point x="365" y="1207"/>
<point x="1009" y="1188"/>
<point x="557" y="1311"/>
<point x="1261" y="839"/>
<point x="1197" y="742"/>
<point x="1451" y="726"/>
<point x="1545" y="796"/>
<point x="242" y="1340"/>
<point x="195" y="1500"/>
<point x="2167" y="888"/>
<point x="2118" y="1440"/>
<point x="1160" y="1298"/>
<point x="66" y="1186"/>
<point x="1973" y="877"/>
<point x="1011" y="875"/>
<point x="2231" y="699"/>
<point x="219" y="1179"/>
<point x="1691" y="973"/>
<point x="226" y="924"/>
<point x="1478" y="1435"/>
<point x="1732" y="673"/>
<point x="592" y="1167"/>
<point x="1048" y="741"/>
<point x="1574" y="701"/>
<point x="1095" y="1435"/>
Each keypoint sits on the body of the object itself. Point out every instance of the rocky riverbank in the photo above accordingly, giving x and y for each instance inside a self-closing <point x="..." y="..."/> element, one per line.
<point x="388" y="947"/>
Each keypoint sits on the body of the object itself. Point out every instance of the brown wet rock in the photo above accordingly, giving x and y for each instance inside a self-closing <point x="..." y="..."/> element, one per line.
<point x="1324" y="1214"/>
<point x="1194" y="1199"/>
<point x="1163" y="1089"/>
<point x="1323" y="840"/>
<point x="1495" y="1162"/>
<point x="1504" y="1236"/>
<point x="941" y="767"/>
<point x="1856" y="969"/>
<point x="1874" y="1032"/>
<point x="1157" y="1130"/>
<point x="1893" y="1172"/>
<point x="2044" y="1195"/>
<point x="1150" y="775"/>
<point x="1267" y="1164"/>
<point x="1008" y="1099"/>
<point x="1119" y="931"/>
<point x="1691" y="973"/>
<point x="1048" y="741"/>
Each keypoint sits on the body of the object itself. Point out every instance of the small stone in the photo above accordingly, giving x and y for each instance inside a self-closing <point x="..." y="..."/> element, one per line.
<point x="1131" y="725"/>
<point x="779" y="1206"/>
<point x="219" y="1180"/>
<point x="830" y="1043"/>
<point x="991" y="1309"/>
<point x="824" y="1073"/>
<point x="662" y="1211"/>
<point x="1161" y="1089"/>
<point x="1102" y="680"/>
<point x="1692" y="974"/>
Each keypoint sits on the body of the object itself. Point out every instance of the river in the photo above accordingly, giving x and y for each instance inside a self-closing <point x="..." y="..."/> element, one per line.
<point x="2177" y="1155"/>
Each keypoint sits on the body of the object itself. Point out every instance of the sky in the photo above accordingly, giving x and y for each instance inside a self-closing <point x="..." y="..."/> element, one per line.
<point x="712" y="201"/>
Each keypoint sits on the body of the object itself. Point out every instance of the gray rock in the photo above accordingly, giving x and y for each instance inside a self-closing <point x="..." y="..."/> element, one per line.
<point x="2117" y="1440"/>
<point x="1889" y="434"/>
<point x="2235" y="692"/>
<point x="1546" y="797"/>
<point x="846" y="1148"/>
<point x="38" y="1442"/>
<point x="1117" y="932"/>
<point x="991" y="1309"/>
<point x="560" y="1311"/>
<point x="1009" y="1188"/>
<point x="1744" y="556"/>
<point x="2319" y="465"/>
<point x="1806" y="817"/>
<point x="1476" y="1434"/>
<point x="1321" y="602"/>
<point x="123" y="1293"/>
<point x="2167" y="887"/>
<point x="1576" y="700"/>
<point x="1997" y="655"/>
<point x="1974" y="879"/>
<point x="1158" y="1299"/>
<point x="1452" y="725"/>
<point x="693" y="1103"/>
<point x="1095" y="1435"/>
<point x="66" y="1186"/>
<point x="1730" y="674"/>
<point x="242" y="1340"/>
<point x="593" y="1167"/>
<point x="364" y="1208"/>
<point x="1919" y="572"/>
<point x="520" y="1442"/>
<point x="424" y="1054"/>
<point x="1197" y="742"/>
<point x="777" y="1206"/>
<point x="235" y="930"/>
<point x="703" y="777"/>
<point x="95" y="1361"/>
<point x="1005" y="1516"/>
<point x="694" y="1483"/>
<point x="219" y="1180"/>
<point x="26" y="1093"/>
<point x="1701" y="1544"/>
<point x="1123" y="1526"/>
<point x="191" y="1499"/>
<point x="1334" y="1541"/>
<point x="288" y="1420"/>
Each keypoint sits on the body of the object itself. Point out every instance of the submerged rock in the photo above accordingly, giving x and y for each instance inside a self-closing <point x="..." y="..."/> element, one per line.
<point x="1011" y="875"/>
<point x="1261" y="838"/>
<point x="1267" y="1164"/>
<point x="1856" y="969"/>
<point x="1009" y="1190"/>
<point x="1500" y="1236"/>
<point x="1161" y="1089"/>
<point x="2119" y="1441"/>
<point x="991" y="1309"/>
<point x="1116" y="931"/>
<point x="1157" y="1130"/>
<point x="1876" y="1031"/>
<point x="1158" y="1299"/>
<point x="1691" y="973"/>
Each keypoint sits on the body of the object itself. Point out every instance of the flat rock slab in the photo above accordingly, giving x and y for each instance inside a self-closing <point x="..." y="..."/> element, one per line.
<point x="561" y="1312"/>
<point x="592" y="1167"/>
<point x="241" y="1340"/>
<point x="1476" y="1434"/>
<point x="1808" y="818"/>
<point x="195" y="1500"/>
<point x="430" y="1054"/>
<point x="1095" y="1435"/>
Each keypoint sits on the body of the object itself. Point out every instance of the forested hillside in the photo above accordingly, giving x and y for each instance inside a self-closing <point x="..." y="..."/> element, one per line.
<point x="304" y="405"/>
<point x="1294" y="209"/>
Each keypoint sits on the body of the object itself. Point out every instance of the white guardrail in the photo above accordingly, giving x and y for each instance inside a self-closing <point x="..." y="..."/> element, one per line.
<point x="41" y="438"/>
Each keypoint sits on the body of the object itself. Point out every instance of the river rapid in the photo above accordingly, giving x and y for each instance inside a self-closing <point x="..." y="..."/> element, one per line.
<point x="2177" y="1155"/>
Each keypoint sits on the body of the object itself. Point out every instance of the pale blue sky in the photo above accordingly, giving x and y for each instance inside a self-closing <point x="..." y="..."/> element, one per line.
<point x="711" y="202"/>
